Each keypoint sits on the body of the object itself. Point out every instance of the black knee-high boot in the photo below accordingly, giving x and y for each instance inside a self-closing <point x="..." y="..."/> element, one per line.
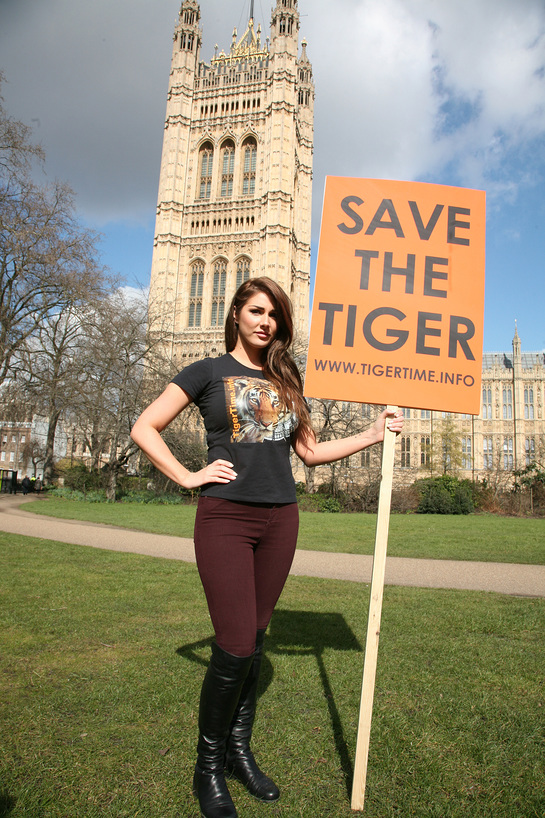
<point x="219" y="696"/>
<point x="240" y="762"/>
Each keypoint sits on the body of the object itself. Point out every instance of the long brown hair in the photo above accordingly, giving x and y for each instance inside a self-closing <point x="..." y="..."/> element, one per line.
<point x="279" y="366"/>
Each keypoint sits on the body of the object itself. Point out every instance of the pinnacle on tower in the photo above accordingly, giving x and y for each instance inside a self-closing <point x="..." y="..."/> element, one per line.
<point x="285" y="27"/>
<point x="187" y="34"/>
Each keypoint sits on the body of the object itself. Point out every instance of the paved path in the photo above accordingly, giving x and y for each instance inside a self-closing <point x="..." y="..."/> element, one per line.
<point x="503" y="578"/>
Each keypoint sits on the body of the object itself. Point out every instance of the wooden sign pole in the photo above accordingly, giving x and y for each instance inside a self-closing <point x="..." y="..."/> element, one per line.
<point x="373" y="622"/>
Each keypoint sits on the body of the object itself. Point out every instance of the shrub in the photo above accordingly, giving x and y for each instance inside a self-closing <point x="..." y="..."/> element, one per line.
<point x="322" y="501"/>
<point x="330" y="505"/>
<point x="531" y="481"/>
<point x="149" y="498"/>
<point x="363" y="497"/>
<point x="67" y="493"/>
<point x="79" y="478"/>
<point x="445" y="495"/>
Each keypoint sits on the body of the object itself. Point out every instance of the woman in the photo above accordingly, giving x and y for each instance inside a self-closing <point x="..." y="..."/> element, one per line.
<point x="252" y="404"/>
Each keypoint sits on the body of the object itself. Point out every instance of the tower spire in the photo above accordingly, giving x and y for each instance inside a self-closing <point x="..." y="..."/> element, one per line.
<point x="251" y="9"/>
<point x="516" y="343"/>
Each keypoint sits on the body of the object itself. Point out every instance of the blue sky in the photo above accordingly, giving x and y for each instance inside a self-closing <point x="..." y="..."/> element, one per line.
<point x="425" y="90"/>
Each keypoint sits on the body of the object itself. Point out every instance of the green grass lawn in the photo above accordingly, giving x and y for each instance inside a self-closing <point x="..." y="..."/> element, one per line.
<point x="485" y="537"/>
<point x="102" y="656"/>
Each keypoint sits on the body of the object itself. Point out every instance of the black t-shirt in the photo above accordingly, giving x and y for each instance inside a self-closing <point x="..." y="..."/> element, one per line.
<point x="246" y="424"/>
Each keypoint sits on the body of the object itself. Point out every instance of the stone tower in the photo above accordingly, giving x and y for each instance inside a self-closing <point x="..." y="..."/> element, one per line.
<point x="236" y="176"/>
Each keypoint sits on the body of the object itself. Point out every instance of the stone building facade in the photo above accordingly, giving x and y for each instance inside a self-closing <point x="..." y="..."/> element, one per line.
<point x="22" y="445"/>
<point x="236" y="178"/>
<point x="14" y="439"/>
<point x="506" y="436"/>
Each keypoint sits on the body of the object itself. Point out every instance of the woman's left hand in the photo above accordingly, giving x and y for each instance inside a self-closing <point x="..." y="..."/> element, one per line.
<point x="392" y="420"/>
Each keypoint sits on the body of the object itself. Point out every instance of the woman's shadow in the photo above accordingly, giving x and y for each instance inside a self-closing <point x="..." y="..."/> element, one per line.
<point x="301" y="632"/>
<point x="7" y="803"/>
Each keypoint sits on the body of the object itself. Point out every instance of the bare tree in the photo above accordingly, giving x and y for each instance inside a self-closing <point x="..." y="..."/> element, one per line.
<point x="499" y="478"/>
<point x="336" y="419"/>
<point x="35" y="452"/>
<point x="114" y="390"/>
<point x="46" y="258"/>
<point x="17" y="152"/>
<point x="53" y="370"/>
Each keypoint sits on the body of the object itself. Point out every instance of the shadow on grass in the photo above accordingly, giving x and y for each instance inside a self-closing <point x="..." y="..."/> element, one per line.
<point x="305" y="633"/>
<point x="7" y="803"/>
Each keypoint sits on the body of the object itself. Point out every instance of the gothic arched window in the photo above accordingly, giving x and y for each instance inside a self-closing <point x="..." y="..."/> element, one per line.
<point x="529" y="404"/>
<point x="227" y="167"/>
<point x="425" y="449"/>
<point x="507" y="403"/>
<point x="487" y="453"/>
<point x="243" y="270"/>
<point x="466" y="452"/>
<point x="195" y="294"/>
<point x="508" y="454"/>
<point x="250" y="162"/>
<point x="530" y="449"/>
<point x="206" y="157"/>
<point x="487" y="403"/>
<point x="405" y="452"/>
<point x="218" y="292"/>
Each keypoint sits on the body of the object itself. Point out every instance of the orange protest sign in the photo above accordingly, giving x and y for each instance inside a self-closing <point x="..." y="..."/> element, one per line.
<point x="399" y="295"/>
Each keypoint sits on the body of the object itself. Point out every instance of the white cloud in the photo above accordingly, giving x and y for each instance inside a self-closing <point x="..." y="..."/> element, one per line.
<point x="133" y="295"/>
<point x="374" y="106"/>
<point x="496" y="60"/>
<point x="421" y="89"/>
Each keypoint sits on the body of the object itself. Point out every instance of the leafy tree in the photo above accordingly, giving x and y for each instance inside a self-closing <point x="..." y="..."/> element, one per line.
<point x="532" y="480"/>
<point x="446" y="448"/>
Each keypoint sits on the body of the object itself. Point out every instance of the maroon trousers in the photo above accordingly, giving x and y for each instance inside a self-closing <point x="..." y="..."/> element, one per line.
<point x="244" y="553"/>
